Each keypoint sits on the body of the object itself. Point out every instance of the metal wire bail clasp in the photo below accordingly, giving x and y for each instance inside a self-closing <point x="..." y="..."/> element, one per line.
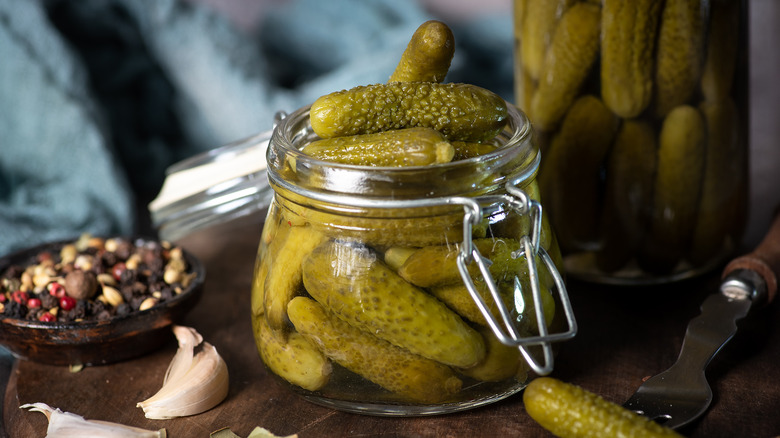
<point x="506" y="330"/>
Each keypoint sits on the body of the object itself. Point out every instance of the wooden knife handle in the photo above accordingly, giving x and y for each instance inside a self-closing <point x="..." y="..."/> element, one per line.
<point x="764" y="260"/>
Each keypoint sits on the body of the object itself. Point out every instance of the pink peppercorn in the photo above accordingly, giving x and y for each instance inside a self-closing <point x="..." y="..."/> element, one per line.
<point x="47" y="317"/>
<point x="67" y="303"/>
<point x="57" y="290"/>
<point x="117" y="271"/>
<point x="33" y="303"/>
<point x="20" y="297"/>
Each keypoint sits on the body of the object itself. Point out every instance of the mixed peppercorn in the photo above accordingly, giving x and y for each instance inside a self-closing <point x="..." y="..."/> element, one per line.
<point x="93" y="278"/>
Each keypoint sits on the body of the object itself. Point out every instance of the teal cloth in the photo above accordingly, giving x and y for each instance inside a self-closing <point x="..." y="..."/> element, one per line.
<point x="98" y="97"/>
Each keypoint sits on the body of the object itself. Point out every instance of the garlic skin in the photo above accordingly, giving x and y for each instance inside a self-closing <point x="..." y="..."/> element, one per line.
<point x="193" y="383"/>
<point x="68" y="425"/>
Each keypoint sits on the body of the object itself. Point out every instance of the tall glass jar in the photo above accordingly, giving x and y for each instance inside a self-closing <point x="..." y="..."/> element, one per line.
<point x="374" y="287"/>
<point x="641" y="107"/>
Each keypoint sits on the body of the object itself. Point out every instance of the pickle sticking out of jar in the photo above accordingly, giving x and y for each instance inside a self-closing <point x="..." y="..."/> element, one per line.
<point x="459" y="111"/>
<point x="396" y="148"/>
<point x="428" y="55"/>
<point x="352" y="282"/>
<point x="395" y="369"/>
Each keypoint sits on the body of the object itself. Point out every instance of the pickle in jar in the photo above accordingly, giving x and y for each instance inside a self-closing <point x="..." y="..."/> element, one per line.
<point x="351" y="281"/>
<point x="410" y="376"/>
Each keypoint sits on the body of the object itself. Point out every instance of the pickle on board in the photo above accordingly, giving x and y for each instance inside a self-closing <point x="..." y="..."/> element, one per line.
<point x="293" y="358"/>
<point x="394" y="148"/>
<point x="678" y="181"/>
<point x="411" y="376"/>
<point x="573" y="51"/>
<point x="353" y="283"/>
<point x="627" y="193"/>
<point x="459" y="111"/>
<point x="283" y="281"/>
<point x="570" y="174"/>
<point x="628" y="40"/>
<point x="436" y="265"/>
<point x="679" y="53"/>
<point x="569" y="411"/>
<point x="724" y="171"/>
<point x="428" y="55"/>
<point x="501" y="361"/>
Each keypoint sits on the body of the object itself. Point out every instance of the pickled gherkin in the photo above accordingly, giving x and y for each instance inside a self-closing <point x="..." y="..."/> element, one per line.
<point x="627" y="48"/>
<point x="569" y="411"/>
<point x="679" y="53"/>
<point x="501" y="361"/>
<point x="353" y="283"/>
<point x="428" y="55"/>
<point x="437" y="265"/>
<point x="573" y="50"/>
<point x="521" y="307"/>
<point x="293" y="358"/>
<point x="459" y="111"/>
<point x="569" y="178"/>
<point x="678" y="182"/>
<point x="284" y="276"/>
<point x="410" y="376"/>
<point x="630" y="171"/>
<point x="396" y="148"/>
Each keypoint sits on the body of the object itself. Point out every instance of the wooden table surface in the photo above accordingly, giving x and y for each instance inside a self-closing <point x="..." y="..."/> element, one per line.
<point x="624" y="336"/>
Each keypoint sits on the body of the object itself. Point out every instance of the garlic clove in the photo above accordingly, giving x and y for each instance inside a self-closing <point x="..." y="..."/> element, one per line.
<point x="68" y="425"/>
<point x="194" y="383"/>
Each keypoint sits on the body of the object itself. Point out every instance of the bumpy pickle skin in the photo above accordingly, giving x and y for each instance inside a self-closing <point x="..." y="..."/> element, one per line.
<point x="679" y="53"/>
<point x="682" y="145"/>
<point x="722" y="50"/>
<point x="395" y="148"/>
<point x="293" y="358"/>
<point x="459" y="111"/>
<point x="352" y="282"/>
<point x="567" y="63"/>
<point x="437" y="265"/>
<point x="724" y="173"/>
<point x="568" y="411"/>
<point x="569" y="176"/>
<point x="283" y="281"/>
<point x="628" y="192"/>
<point x="629" y="31"/>
<point x="410" y="376"/>
<point x="428" y="55"/>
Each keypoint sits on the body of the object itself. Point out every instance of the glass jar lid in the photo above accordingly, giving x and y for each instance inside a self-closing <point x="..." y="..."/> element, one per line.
<point x="213" y="187"/>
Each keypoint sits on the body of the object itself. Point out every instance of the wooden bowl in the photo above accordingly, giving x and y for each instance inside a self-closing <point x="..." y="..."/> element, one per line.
<point x="96" y="342"/>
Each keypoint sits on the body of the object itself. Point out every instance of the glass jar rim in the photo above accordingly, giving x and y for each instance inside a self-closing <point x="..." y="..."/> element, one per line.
<point x="516" y="159"/>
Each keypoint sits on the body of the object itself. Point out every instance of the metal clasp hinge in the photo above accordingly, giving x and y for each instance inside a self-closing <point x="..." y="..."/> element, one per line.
<point x="505" y="330"/>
